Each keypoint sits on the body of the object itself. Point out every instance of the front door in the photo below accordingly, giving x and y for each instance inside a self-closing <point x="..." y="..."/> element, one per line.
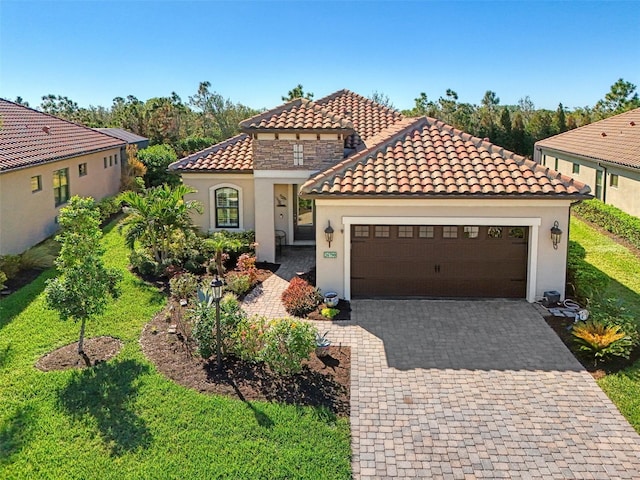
<point x="304" y="219"/>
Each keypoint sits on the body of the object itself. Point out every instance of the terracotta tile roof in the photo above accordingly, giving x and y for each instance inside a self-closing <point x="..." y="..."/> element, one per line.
<point x="29" y="137"/>
<point x="614" y="139"/>
<point x="299" y="114"/>
<point x="368" y="118"/>
<point x="232" y="155"/>
<point x="430" y="158"/>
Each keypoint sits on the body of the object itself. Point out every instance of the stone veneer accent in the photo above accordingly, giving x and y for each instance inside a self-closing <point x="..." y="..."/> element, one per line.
<point x="278" y="154"/>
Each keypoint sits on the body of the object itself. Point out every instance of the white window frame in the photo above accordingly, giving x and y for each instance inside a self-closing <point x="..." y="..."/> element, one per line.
<point x="212" y="207"/>
<point x="298" y="154"/>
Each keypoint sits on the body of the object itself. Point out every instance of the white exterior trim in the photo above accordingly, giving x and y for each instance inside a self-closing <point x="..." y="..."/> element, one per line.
<point x="212" y="207"/>
<point x="532" y="222"/>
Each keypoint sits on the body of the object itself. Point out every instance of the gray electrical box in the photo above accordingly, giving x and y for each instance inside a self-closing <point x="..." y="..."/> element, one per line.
<point x="551" y="297"/>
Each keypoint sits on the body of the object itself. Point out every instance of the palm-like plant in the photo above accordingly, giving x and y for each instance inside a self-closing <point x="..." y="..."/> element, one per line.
<point x="156" y="215"/>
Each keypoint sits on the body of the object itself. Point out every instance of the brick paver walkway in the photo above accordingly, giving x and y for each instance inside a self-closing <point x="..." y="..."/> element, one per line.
<point x="471" y="389"/>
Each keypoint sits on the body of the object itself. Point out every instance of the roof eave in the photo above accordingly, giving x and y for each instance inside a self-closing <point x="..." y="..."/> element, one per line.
<point x="461" y="196"/>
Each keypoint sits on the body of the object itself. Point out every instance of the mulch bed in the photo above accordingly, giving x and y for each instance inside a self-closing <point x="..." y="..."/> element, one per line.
<point x="560" y="325"/>
<point x="98" y="349"/>
<point x="22" y="278"/>
<point x="322" y="382"/>
<point x="345" y="312"/>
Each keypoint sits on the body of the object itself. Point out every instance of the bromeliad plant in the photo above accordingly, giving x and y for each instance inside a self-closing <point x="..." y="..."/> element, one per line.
<point x="601" y="340"/>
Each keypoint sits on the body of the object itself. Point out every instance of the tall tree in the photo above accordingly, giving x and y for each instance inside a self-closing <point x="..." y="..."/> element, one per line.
<point x="487" y="112"/>
<point x="621" y="98"/>
<point x="297" y="92"/>
<point x="85" y="285"/>
<point x="60" y="106"/>
<point x="560" y="119"/>
<point x="518" y="134"/>
<point x="506" y="138"/>
<point x="382" y="99"/>
<point x="20" y="101"/>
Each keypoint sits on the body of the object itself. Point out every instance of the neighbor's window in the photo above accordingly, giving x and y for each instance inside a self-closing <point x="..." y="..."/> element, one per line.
<point x="405" y="231"/>
<point x="361" y="231"/>
<point x="556" y="165"/>
<point x="36" y="183"/>
<point x="576" y="168"/>
<point x="110" y="160"/>
<point x="298" y="155"/>
<point x="471" y="232"/>
<point x="613" y="180"/>
<point x="381" y="231"/>
<point x="494" y="232"/>
<point x="115" y="159"/>
<point x="61" y="186"/>
<point x="227" y="208"/>
<point x="516" y="232"/>
<point x="82" y="169"/>
<point x="425" y="231"/>
<point x="105" y="162"/>
<point x="449" y="232"/>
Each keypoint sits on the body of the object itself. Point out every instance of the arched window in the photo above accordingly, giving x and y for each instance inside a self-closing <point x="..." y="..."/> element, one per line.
<point x="227" y="208"/>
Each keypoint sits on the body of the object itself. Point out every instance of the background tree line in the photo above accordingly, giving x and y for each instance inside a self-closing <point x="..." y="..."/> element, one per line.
<point x="207" y="117"/>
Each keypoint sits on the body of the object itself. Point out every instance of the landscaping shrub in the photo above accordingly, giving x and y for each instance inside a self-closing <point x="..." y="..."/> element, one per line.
<point x="249" y="338"/>
<point x="157" y="159"/>
<point x="583" y="279"/>
<point x="109" y="206"/>
<point x="329" y="312"/>
<point x="601" y="341"/>
<point x="142" y="261"/>
<point x="300" y="298"/>
<point x="610" y="218"/>
<point x="203" y="317"/>
<point x="10" y="265"/>
<point x="286" y="343"/>
<point x="238" y="282"/>
<point x="184" y="285"/>
<point x="38" y="257"/>
<point x="247" y="264"/>
<point x="3" y="279"/>
<point x="612" y="312"/>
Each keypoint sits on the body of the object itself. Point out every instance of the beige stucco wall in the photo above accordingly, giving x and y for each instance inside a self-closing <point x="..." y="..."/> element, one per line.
<point x="626" y="196"/>
<point x="206" y="183"/>
<point x="550" y="265"/>
<point x="27" y="218"/>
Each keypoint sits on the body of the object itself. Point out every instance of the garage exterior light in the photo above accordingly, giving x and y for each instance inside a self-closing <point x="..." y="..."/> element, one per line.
<point x="556" y="234"/>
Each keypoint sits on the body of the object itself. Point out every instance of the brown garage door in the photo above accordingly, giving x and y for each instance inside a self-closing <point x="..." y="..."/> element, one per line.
<point x="438" y="261"/>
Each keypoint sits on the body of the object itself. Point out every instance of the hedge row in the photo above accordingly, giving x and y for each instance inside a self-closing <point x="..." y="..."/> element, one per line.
<point x="610" y="218"/>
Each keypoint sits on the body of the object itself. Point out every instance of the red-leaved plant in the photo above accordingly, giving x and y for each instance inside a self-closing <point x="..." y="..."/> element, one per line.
<point x="300" y="298"/>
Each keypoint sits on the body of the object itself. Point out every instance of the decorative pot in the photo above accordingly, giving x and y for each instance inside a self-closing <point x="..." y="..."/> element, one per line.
<point x="331" y="299"/>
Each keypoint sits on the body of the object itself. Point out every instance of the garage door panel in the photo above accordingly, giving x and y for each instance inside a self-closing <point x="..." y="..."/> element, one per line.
<point x="489" y="264"/>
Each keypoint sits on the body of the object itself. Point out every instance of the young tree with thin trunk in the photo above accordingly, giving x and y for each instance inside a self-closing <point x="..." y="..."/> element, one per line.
<point x="84" y="286"/>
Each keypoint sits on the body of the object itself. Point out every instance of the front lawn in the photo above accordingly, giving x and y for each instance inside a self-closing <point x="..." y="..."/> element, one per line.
<point x="623" y="269"/>
<point x="122" y="419"/>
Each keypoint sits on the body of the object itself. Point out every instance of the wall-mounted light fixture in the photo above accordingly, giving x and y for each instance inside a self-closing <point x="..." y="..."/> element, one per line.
<point x="556" y="234"/>
<point x="328" y="234"/>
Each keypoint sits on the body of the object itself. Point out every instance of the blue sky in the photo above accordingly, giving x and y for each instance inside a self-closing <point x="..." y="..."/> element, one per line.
<point x="254" y="52"/>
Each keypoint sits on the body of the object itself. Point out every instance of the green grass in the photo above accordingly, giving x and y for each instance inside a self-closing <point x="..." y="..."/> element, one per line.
<point x="122" y="419"/>
<point x="623" y="269"/>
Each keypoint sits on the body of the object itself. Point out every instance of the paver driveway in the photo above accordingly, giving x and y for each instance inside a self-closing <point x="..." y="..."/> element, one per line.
<point x="475" y="389"/>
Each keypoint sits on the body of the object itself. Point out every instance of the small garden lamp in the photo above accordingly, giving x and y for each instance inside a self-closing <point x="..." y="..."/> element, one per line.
<point x="328" y="234"/>
<point x="556" y="234"/>
<point x="216" y="291"/>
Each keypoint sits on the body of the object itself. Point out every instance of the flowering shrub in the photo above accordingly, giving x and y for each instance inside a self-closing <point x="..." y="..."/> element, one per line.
<point x="238" y="282"/>
<point x="286" y="343"/>
<point x="249" y="338"/>
<point x="247" y="265"/>
<point x="300" y="297"/>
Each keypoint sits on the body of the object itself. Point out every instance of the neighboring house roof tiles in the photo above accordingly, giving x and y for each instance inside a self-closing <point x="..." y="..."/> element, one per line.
<point x="368" y="117"/>
<point x="234" y="154"/>
<point x="122" y="134"/>
<point x="615" y="139"/>
<point x="301" y="114"/>
<point x="29" y="137"/>
<point x="428" y="157"/>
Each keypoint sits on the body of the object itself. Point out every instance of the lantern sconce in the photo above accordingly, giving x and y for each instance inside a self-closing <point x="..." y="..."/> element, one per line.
<point x="556" y="234"/>
<point x="328" y="234"/>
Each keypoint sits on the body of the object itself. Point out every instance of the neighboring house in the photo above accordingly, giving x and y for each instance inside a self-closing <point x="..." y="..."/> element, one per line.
<point x="45" y="160"/>
<point x="417" y="208"/>
<point x="130" y="138"/>
<point x="604" y="154"/>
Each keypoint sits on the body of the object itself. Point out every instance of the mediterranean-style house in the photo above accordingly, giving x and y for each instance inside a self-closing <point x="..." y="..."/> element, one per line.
<point x="395" y="206"/>
<point x="605" y="154"/>
<point x="44" y="160"/>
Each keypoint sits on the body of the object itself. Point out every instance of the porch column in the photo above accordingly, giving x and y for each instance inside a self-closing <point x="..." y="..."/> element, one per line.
<point x="264" y="221"/>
